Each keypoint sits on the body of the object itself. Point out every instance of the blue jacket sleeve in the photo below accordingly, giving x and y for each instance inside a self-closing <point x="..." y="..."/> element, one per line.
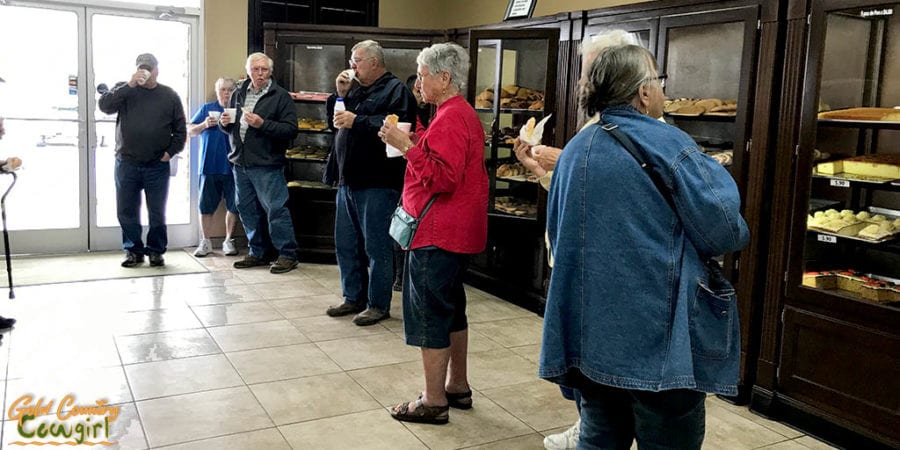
<point x="709" y="204"/>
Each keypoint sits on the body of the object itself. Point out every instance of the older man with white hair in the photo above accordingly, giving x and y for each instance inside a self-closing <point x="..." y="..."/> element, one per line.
<point x="263" y="126"/>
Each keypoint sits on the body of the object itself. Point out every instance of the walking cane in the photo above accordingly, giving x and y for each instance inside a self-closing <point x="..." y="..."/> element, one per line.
<point x="12" y="294"/>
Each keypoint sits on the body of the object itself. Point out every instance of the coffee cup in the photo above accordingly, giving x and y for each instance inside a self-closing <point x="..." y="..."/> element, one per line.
<point x="393" y="152"/>
<point x="215" y="114"/>
<point x="145" y="75"/>
<point x="232" y="112"/>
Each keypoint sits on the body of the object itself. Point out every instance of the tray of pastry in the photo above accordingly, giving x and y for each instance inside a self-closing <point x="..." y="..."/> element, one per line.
<point x="310" y="96"/>
<point x="886" y="115"/>
<point x="875" y="226"/>
<point x="513" y="171"/>
<point x="308" y="184"/>
<point x="869" y="286"/>
<point x="694" y="107"/>
<point x="311" y="152"/>
<point x="515" y="206"/>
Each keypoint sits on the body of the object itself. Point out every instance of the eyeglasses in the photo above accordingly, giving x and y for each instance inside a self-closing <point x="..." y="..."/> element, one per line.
<point x="662" y="80"/>
<point x="353" y="61"/>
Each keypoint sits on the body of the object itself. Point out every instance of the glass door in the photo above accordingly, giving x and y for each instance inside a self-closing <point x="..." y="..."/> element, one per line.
<point x="42" y="101"/>
<point x="112" y="60"/>
<point x="64" y="200"/>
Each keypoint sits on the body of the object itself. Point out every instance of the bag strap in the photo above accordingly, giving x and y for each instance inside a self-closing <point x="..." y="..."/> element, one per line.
<point x="424" y="210"/>
<point x="632" y="149"/>
<point x="427" y="205"/>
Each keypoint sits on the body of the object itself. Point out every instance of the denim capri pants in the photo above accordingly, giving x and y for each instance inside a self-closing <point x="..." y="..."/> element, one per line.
<point x="434" y="300"/>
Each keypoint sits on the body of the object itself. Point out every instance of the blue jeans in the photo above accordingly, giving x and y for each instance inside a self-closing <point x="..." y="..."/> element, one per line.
<point x="153" y="179"/>
<point x="571" y="394"/>
<point x="611" y="418"/>
<point x="262" y="197"/>
<point x="361" y="239"/>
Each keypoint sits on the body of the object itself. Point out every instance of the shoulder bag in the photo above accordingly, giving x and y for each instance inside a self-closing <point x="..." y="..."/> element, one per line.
<point x="403" y="224"/>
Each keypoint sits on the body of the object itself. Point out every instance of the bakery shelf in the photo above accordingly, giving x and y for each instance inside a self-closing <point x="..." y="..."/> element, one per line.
<point x="875" y="124"/>
<point x="311" y="131"/>
<point x="888" y="245"/>
<point x="532" y="112"/>
<point x="701" y="118"/>
<point x="849" y="180"/>
<point x="497" y="213"/>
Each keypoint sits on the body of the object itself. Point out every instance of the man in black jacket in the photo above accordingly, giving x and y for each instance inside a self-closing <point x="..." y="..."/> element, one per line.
<point x="369" y="183"/>
<point x="264" y="124"/>
<point x="150" y="129"/>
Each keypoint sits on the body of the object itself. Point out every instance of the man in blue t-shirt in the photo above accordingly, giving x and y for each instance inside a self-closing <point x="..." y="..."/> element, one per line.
<point x="216" y="179"/>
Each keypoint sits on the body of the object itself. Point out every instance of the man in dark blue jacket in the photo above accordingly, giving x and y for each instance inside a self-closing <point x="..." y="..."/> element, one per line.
<point x="262" y="128"/>
<point x="150" y="129"/>
<point x="369" y="183"/>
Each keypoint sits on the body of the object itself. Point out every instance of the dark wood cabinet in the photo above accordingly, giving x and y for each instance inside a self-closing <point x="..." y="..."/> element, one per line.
<point x="830" y="359"/>
<point x="307" y="60"/>
<point x="311" y="12"/>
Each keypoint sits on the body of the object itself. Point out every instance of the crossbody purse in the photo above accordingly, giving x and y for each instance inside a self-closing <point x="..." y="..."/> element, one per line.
<point x="403" y="224"/>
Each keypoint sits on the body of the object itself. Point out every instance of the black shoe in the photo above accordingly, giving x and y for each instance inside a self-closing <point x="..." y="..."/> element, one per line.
<point x="250" y="261"/>
<point x="6" y="322"/>
<point x="156" y="260"/>
<point x="346" y="309"/>
<point x="132" y="259"/>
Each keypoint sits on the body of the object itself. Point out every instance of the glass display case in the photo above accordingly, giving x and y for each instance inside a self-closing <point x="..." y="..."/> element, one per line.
<point x="512" y="83"/>
<point x="307" y="61"/>
<point x="840" y="343"/>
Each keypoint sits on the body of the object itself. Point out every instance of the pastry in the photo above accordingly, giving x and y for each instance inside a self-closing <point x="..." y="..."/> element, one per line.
<point x="820" y="280"/>
<point x="691" y="110"/>
<point x="892" y="117"/>
<point x="709" y="103"/>
<point x="392" y="119"/>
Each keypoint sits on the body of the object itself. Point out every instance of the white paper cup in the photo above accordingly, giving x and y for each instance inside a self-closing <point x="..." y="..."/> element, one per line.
<point x="215" y="114"/>
<point x="231" y="112"/>
<point x="393" y="152"/>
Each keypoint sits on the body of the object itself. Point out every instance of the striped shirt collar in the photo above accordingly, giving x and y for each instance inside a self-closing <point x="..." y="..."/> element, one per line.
<point x="261" y="91"/>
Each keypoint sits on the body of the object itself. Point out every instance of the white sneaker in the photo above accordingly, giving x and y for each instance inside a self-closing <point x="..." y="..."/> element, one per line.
<point x="228" y="247"/>
<point x="203" y="249"/>
<point x="565" y="440"/>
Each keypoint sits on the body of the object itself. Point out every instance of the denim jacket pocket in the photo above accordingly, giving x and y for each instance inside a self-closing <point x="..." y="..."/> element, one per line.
<point x="712" y="314"/>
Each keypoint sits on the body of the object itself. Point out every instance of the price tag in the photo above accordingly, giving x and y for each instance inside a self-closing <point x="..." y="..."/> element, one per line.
<point x="827" y="238"/>
<point x="840" y="183"/>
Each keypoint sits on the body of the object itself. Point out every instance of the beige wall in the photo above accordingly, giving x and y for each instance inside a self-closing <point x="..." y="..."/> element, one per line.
<point x="466" y="13"/>
<point x="225" y="22"/>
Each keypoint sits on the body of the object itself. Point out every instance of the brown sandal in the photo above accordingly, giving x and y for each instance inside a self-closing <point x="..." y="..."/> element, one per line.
<point x="420" y="413"/>
<point x="458" y="400"/>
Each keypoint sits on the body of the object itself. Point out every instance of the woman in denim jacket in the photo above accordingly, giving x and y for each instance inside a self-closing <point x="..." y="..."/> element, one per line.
<point x="636" y="318"/>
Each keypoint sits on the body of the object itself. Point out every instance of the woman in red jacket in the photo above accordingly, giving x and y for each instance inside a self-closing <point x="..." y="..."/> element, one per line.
<point x="445" y="162"/>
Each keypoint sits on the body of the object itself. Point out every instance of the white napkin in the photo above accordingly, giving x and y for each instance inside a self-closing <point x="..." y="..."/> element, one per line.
<point x="538" y="133"/>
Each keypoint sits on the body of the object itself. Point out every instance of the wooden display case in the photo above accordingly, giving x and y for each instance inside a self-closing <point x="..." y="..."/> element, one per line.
<point x="511" y="81"/>
<point x="830" y="349"/>
<point x="307" y="59"/>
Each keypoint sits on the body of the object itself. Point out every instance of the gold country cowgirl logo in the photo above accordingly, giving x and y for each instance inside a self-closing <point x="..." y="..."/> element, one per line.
<point x="40" y="423"/>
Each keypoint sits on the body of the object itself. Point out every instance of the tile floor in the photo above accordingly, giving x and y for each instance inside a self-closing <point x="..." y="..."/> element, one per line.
<point x="248" y="360"/>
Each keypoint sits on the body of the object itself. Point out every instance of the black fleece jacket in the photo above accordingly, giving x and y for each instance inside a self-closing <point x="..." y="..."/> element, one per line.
<point x="150" y="122"/>
<point x="358" y="159"/>
<point x="263" y="146"/>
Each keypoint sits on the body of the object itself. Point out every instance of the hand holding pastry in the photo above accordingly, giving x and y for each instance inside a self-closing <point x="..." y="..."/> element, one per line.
<point x="254" y="120"/>
<point x="523" y="154"/>
<point x="546" y="156"/>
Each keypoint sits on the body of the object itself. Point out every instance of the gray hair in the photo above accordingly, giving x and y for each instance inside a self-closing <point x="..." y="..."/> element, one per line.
<point x="615" y="77"/>
<point x="225" y="80"/>
<point x="257" y="57"/>
<point x="447" y="57"/>
<point x="373" y="49"/>
<point x="592" y="47"/>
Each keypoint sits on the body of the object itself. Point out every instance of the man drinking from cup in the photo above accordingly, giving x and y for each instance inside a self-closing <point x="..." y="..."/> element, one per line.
<point x="216" y="179"/>
<point x="150" y="129"/>
<point x="369" y="183"/>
